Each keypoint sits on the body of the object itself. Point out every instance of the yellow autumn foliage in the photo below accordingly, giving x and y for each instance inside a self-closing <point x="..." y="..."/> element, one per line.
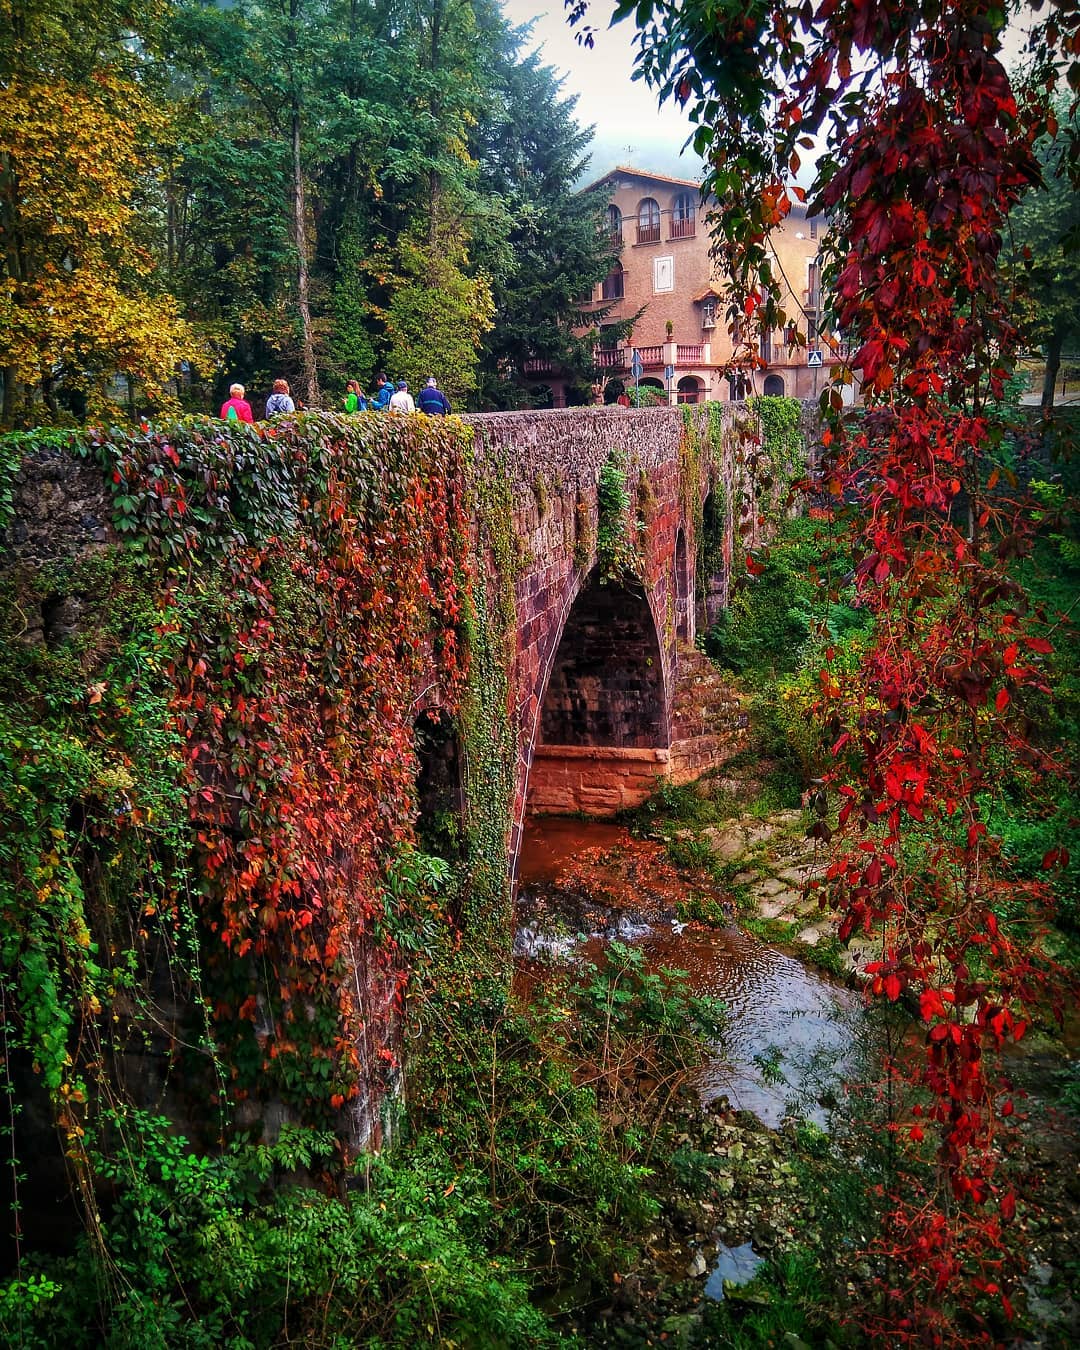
<point x="78" y="294"/>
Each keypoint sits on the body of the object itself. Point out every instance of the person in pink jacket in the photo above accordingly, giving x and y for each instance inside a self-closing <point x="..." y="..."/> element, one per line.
<point x="237" y="408"/>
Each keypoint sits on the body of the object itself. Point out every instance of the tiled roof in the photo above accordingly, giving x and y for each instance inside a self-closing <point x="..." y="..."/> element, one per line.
<point x="642" y="173"/>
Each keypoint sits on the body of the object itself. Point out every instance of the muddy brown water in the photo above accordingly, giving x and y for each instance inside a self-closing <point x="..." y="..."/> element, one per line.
<point x="792" y="1035"/>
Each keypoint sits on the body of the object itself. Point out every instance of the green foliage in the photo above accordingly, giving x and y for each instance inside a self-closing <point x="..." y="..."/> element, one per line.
<point x="488" y="738"/>
<point x="762" y="632"/>
<point x="548" y="1102"/>
<point x="86" y="750"/>
<point x="1043" y="257"/>
<point x="615" y="552"/>
<point x="777" y="1307"/>
<point x="350" y="348"/>
<point x="438" y="315"/>
<point x="781" y="434"/>
<point x="645" y="396"/>
<point x="232" y="1250"/>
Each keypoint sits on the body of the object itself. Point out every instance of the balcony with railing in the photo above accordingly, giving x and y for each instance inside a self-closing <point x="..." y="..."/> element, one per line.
<point x="648" y="234"/>
<point x="652" y="356"/>
<point x="689" y="354"/>
<point x="541" y="365"/>
<point x="682" y="227"/>
<point x="610" y="358"/>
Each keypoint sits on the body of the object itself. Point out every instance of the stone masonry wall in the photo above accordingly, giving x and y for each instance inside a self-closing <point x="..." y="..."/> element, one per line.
<point x="554" y="460"/>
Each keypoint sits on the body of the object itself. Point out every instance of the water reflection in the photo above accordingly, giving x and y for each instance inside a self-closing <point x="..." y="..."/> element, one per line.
<point x="734" y="1265"/>
<point x="792" y="1034"/>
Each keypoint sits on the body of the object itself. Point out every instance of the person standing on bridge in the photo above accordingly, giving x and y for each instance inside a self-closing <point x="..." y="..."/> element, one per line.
<point x="383" y="393"/>
<point x="236" y="408"/>
<point x="280" y="400"/>
<point x="432" y="400"/>
<point x="402" y="401"/>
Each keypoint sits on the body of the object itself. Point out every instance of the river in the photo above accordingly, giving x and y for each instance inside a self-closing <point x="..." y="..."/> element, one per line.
<point x="792" y="1035"/>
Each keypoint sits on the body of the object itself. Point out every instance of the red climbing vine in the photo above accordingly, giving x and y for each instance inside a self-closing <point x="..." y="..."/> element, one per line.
<point x="315" y="571"/>
<point x="926" y="148"/>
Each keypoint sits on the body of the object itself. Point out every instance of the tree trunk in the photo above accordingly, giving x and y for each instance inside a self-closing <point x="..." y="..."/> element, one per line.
<point x="434" y="181"/>
<point x="309" y="376"/>
<point x="1053" y="365"/>
<point x="309" y="379"/>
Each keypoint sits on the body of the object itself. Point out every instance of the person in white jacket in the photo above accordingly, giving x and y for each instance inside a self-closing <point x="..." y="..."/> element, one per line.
<point x="401" y="400"/>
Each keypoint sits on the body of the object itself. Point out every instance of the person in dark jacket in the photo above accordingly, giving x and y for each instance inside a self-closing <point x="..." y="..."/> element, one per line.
<point x="432" y="400"/>
<point x="384" y="390"/>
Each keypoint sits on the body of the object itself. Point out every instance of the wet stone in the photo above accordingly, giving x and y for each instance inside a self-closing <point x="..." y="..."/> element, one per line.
<point x="727" y="843"/>
<point x="698" y="1266"/>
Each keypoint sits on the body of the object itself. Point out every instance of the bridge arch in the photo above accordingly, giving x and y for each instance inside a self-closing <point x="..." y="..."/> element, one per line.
<point x="605" y="686"/>
<point x="601" y="733"/>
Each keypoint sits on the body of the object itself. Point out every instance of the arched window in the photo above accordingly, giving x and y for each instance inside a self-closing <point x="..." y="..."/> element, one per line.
<point x="690" y="389"/>
<point x="613" y="284"/>
<point x="614" y="224"/>
<point x="774" y="386"/>
<point x="683" y="216"/>
<point x="648" y="221"/>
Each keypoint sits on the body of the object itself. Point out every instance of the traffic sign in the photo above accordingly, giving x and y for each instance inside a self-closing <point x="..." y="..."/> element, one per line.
<point x="669" y="373"/>
<point x="814" y="358"/>
<point x="636" y="365"/>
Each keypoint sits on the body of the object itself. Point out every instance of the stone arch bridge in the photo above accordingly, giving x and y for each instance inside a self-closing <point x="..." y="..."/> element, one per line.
<point x="606" y="690"/>
<point x="608" y="693"/>
<point x="620" y="528"/>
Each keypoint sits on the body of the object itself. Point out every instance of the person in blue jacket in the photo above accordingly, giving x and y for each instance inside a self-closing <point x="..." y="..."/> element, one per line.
<point x="432" y="400"/>
<point x="381" y="401"/>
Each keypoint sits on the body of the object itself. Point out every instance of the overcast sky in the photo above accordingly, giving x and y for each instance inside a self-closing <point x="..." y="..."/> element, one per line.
<point x="630" y="127"/>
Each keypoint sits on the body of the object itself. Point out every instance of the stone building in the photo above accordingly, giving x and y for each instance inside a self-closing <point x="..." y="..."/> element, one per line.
<point x="665" y="271"/>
